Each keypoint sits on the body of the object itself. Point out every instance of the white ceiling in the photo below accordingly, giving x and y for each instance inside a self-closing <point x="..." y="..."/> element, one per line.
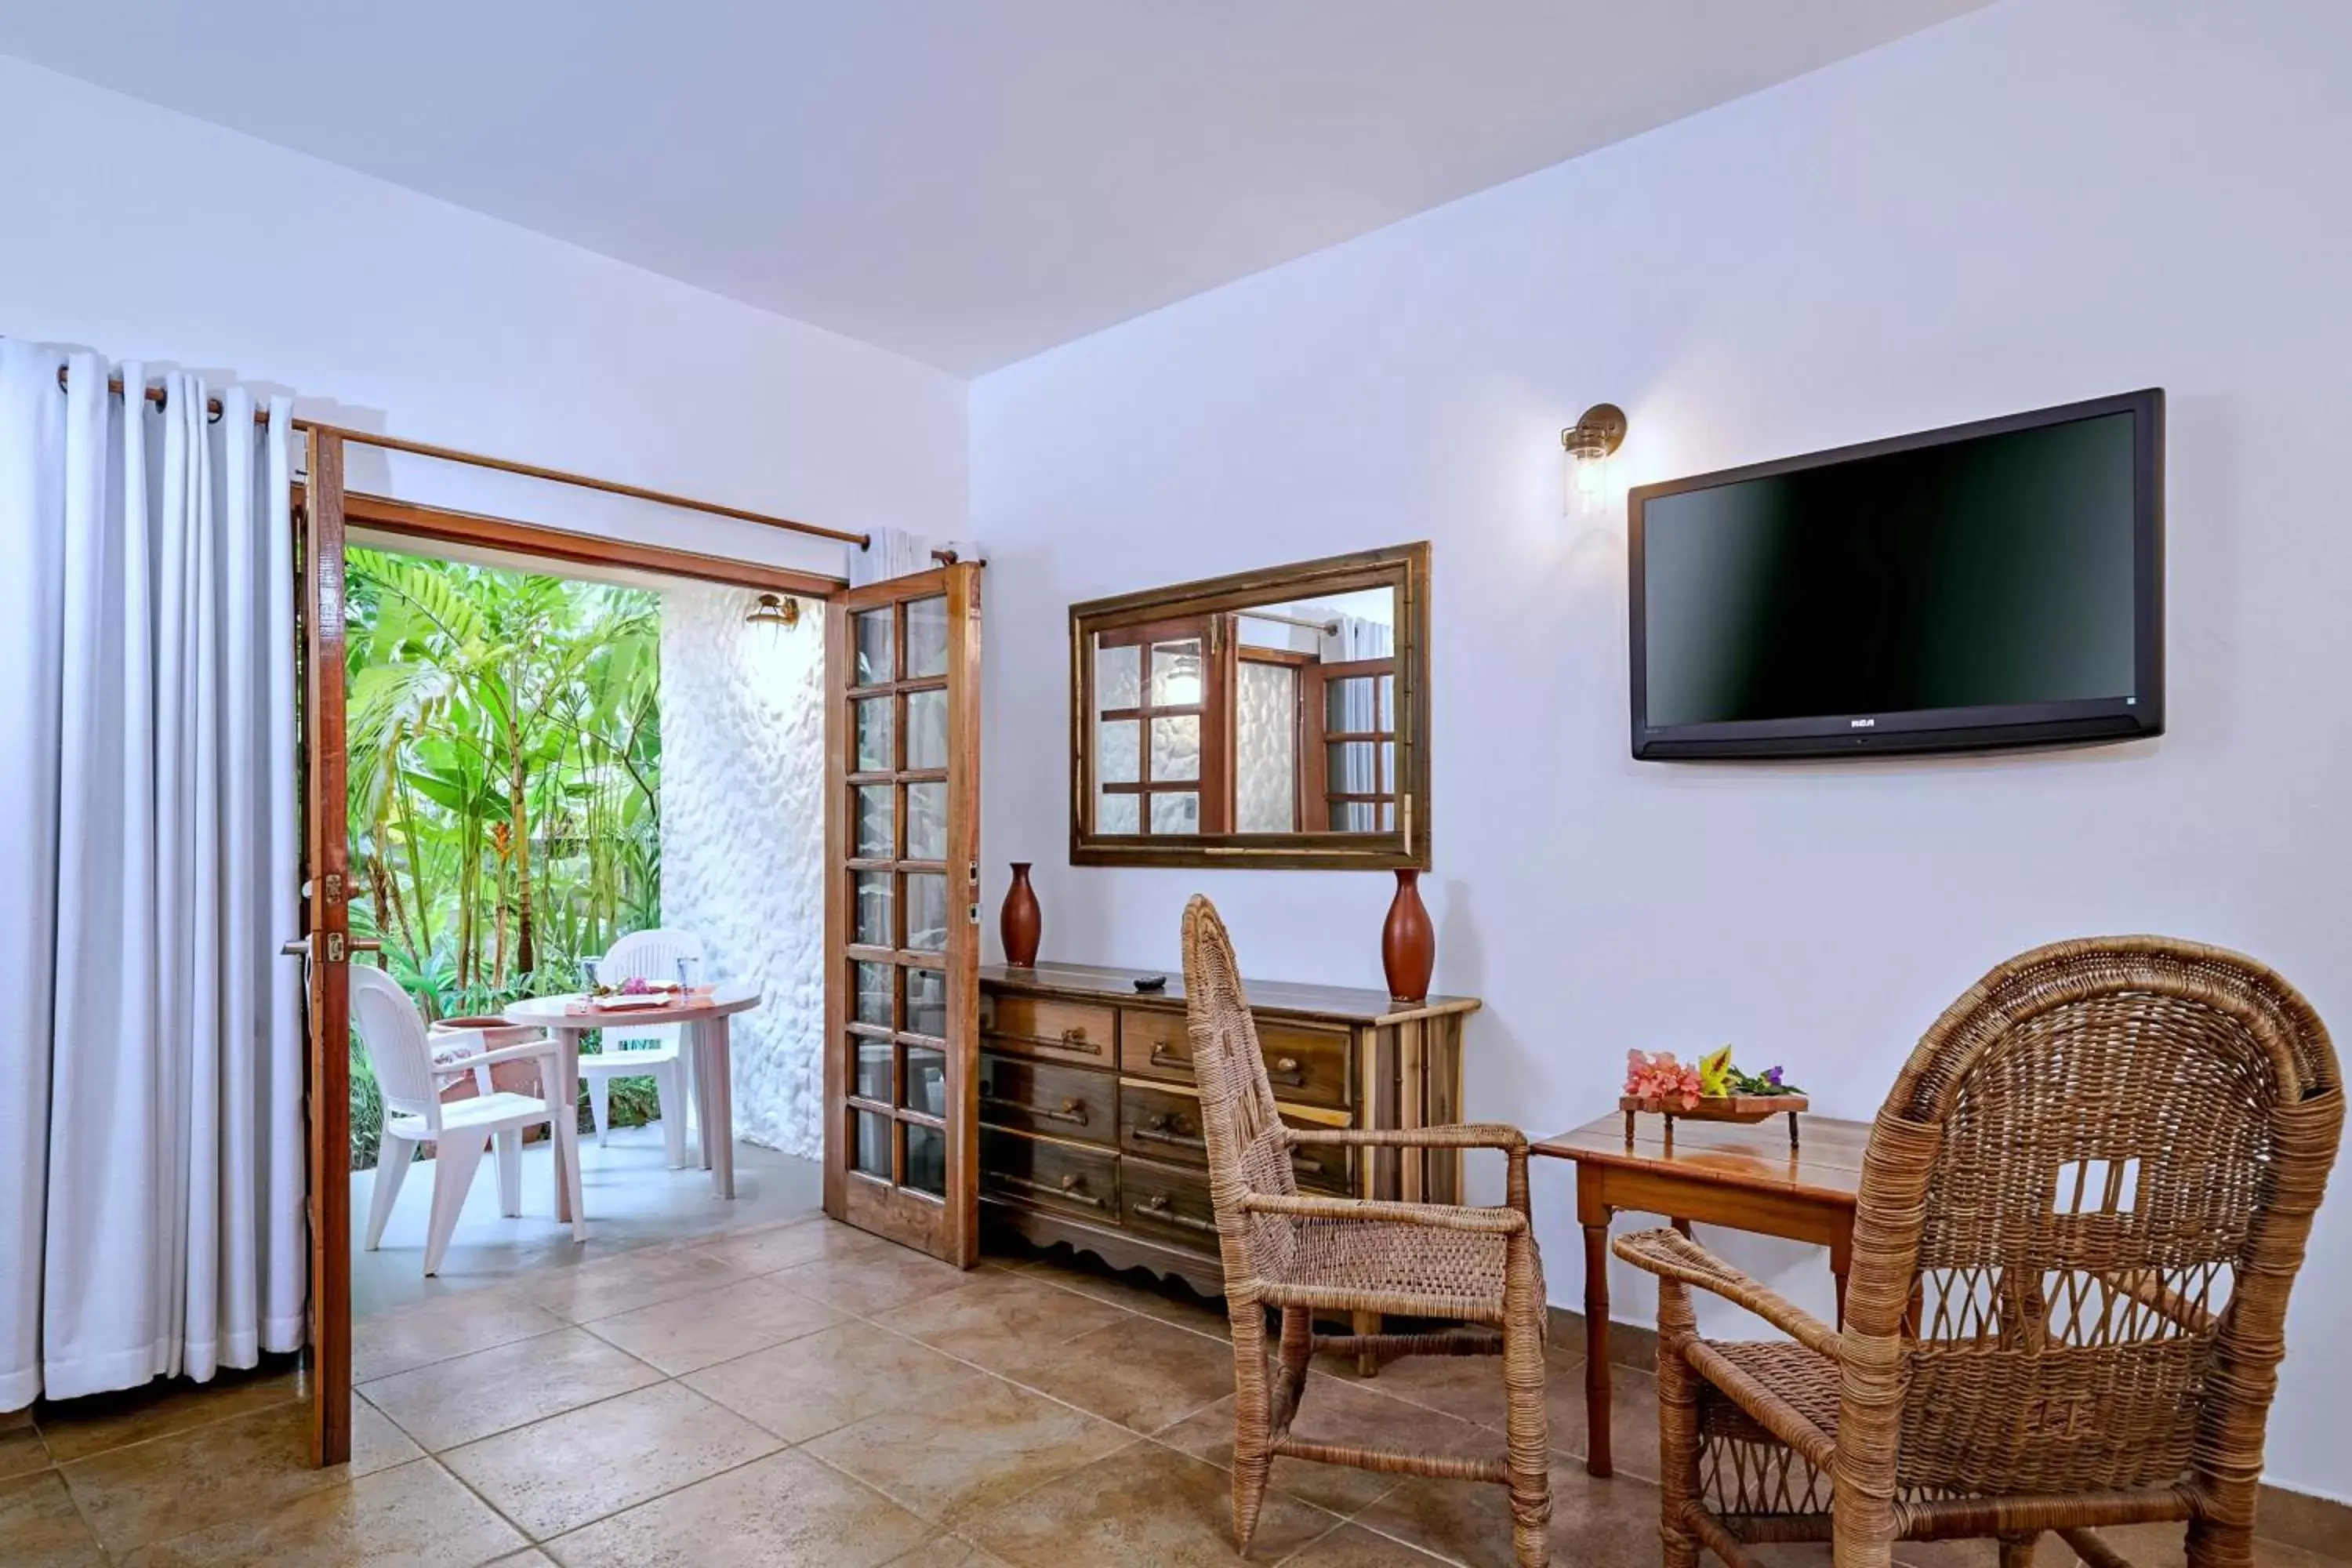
<point x="968" y="182"/>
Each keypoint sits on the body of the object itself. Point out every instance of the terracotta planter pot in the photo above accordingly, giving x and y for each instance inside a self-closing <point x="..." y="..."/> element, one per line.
<point x="517" y="1077"/>
<point x="1408" y="941"/>
<point x="1021" y="923"/>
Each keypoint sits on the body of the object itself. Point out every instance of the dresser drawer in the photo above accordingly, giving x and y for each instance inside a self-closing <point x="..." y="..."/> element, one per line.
<point x="1046" y="1097"/>
<point x="1302" y="1063"/>
<point x="1040" y="1026"/>
<point x="1067" y="1178"/>
<point x="1154" y="1045"/>
<point x="1160" y="1124"/>
<point x="1164" y="1125"/>
<point x="1305" y="1064"/>
<point x="1323" y="1168"/>
<point x="1167" y="1202"/>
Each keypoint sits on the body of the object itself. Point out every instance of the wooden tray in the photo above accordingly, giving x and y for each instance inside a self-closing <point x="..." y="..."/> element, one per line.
<point x="1745" y="1109"/>
<point x="1718" y="1107"/>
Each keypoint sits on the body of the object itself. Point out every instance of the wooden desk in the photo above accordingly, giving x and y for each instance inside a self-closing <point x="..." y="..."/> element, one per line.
<point x="1716" y="1173"/>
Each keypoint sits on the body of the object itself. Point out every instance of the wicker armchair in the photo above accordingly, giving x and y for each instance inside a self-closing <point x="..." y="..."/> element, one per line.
<point x="2080" y="1212"/>
<point x="1310" y="1254"/>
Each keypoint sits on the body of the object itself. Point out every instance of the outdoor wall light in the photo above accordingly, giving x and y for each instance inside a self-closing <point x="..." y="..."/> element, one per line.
<point x="777" y="610"/>
<point x="1587" y="444"/>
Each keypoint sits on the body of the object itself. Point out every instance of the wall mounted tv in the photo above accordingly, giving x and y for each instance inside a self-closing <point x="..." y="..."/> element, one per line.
<point x="1999" y="583"/>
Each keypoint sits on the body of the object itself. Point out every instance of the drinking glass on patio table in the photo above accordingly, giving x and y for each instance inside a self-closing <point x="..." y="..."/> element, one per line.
<point x="689" y="972"/>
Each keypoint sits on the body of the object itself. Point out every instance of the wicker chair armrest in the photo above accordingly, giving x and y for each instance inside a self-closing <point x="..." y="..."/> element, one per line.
<point x="1441" y="1217"/>
<point x="1455" y="1135"/>
<point x="1674" y="1256"/>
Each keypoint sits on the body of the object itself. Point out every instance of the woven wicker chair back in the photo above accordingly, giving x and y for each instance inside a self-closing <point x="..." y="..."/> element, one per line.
<point x="2088" y="1194"/>
<point x="1247" y="1153"/>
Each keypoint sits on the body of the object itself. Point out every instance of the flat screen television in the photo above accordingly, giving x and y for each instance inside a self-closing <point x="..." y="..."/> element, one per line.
<point x="1999" y="583"/>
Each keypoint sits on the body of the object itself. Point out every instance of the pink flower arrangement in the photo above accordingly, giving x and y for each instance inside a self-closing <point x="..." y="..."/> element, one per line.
<point x="1660" y="1077"/>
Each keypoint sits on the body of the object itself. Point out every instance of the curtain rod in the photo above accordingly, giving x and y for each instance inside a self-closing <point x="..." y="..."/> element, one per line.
<point x="1328" y="628"/>
<point x="506" y="466"/>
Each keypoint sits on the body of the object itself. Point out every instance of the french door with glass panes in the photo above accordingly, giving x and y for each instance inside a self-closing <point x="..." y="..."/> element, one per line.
<point x="902" y="912"/>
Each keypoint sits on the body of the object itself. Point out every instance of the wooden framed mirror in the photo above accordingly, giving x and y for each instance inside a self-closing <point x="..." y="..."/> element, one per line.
<point x="1276" y="718"/>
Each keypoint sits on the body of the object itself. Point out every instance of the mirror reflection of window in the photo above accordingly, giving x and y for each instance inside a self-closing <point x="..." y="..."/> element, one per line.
<point x="1157" y="715"/>
<point x="1274" y="719"/>
<point x="1266" y="746"/>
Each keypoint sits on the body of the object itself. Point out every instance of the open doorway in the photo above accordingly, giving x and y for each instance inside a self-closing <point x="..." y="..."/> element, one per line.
<point x="544" y="758"/>
<point x="745" y="880"/>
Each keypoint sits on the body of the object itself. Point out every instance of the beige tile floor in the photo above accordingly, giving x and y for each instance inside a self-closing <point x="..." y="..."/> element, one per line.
<point x="799" y="1393"/>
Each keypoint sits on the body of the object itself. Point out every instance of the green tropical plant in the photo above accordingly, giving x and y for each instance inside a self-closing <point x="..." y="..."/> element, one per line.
<point x="504" y="783"/>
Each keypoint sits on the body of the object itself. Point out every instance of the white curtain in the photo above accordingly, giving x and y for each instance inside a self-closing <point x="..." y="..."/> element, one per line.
<point x="895" y="553"/>
<point x="150" y="1051"/>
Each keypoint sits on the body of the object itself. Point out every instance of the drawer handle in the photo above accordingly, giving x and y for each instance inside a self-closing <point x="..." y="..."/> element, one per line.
<point x="1067" y="1190"/>
<point x="1156" y="1206"/>
<point x="1068" y="1040"/>
<point x="1285" y="1070"/>
<point x="1157" y="1131"/>
<point x="1073" y="1111"/>
<point x="1162" y="1056"/>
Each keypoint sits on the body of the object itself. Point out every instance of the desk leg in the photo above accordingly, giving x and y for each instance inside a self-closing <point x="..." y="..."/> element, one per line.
<point x="697" y="1036"/>
<point x="1596" y="1348"/>
<point x="1366" y="1323"/>
<point x="719" y="1139"/>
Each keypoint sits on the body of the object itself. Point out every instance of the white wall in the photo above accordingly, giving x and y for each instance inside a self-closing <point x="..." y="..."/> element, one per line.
<point x="142" y="233"/>
<point x="742" y="714"/>
<point x="2048" y="200"/>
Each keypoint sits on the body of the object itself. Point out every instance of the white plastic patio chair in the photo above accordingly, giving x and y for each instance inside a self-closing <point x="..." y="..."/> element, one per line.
<point x="657" y="1050"/>
<point x="392" y="1032"/>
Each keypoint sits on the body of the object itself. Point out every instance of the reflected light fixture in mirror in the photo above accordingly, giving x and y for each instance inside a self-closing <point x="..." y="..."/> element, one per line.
<point x="1587" y="444"/>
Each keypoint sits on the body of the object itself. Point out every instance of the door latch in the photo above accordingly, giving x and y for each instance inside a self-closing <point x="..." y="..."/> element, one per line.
<point x="334" y="944"/>
<point x="334" y="887"/>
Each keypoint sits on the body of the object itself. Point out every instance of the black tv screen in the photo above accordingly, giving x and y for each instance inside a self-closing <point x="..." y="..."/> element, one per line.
<point x="1996" y="584"/>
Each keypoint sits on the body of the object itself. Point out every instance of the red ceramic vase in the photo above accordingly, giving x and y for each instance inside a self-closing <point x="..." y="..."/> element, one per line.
<point x="1408" y="941"/>
<point x="1021" y="923"/>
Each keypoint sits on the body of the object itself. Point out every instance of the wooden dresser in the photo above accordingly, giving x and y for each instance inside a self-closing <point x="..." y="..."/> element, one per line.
<point x="1090" y="1125"/>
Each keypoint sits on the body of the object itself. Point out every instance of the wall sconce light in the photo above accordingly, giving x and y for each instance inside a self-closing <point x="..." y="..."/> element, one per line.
<point x="1588" y="443"/>
<point x="777" y="611"/>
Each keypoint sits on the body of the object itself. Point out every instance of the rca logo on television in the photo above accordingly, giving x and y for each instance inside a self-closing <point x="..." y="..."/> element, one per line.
<point x="1862" y="724"/>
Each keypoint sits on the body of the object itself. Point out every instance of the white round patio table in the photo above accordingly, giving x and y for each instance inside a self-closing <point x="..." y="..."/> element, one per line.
<point x="705" y="1016"/>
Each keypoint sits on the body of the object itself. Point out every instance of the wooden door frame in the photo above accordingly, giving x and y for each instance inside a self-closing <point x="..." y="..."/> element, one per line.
<point x="327" y="871"/>
<point x="324" y="515"/>
<point x="957" y="1235"/>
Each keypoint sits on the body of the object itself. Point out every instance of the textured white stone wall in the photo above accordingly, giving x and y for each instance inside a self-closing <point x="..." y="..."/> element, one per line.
<point x="742" y="716"/>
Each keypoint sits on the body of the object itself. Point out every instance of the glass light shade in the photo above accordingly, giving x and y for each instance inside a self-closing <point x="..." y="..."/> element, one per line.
<point x="1585" y="486"/>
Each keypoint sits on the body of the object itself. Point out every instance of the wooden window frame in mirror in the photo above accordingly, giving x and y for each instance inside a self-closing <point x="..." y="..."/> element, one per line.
<point x="1210" y="605"/>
